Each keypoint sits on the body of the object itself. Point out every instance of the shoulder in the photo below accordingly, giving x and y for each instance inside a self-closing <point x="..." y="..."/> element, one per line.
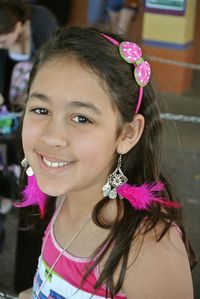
<point x="159" y="269"/>
<point x="26" y="294"/>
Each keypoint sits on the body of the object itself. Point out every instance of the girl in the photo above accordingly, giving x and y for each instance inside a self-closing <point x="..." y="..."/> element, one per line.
<point x="95" y="132"/>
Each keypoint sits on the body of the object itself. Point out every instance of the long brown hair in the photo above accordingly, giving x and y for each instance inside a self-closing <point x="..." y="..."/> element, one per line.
<point x="141" y="164"/>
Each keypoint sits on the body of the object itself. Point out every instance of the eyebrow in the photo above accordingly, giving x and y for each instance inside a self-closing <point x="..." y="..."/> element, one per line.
<point x="40" y="96"/>
<point x="71" y="104"/>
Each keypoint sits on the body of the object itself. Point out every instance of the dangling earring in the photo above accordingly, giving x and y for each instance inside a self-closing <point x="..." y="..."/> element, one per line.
<point x="32" y="195"/>
<point x="115" y="179"/>
<point x="24" y="162"/>
<point x="29" y="170"/>
<point x="140" y="197"/>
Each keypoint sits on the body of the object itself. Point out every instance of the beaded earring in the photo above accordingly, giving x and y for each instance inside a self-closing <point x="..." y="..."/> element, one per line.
<point x="140" y="197"/>
<point x="115" y="179"/>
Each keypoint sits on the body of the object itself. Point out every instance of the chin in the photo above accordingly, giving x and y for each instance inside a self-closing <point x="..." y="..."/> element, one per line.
<point x="50" y="190"/>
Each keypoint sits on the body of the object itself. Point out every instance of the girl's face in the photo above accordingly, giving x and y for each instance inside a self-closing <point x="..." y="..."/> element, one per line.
<point x="69" y="130"/>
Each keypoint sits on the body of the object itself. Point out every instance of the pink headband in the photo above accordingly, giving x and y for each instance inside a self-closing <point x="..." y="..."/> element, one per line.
<point x="132" y="53"/>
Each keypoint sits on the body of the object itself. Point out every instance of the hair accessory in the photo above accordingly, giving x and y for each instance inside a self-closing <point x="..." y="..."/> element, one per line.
<point x="32" y="195"/>
<point x="115" y="179"/>
<point x="132" y="54"/>
<point x="142" y="197"/>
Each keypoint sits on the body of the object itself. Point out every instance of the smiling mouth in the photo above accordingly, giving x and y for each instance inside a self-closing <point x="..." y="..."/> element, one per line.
<point x="55" y="164"/>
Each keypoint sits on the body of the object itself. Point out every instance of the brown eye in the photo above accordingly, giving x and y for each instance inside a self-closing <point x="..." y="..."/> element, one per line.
<point x="40" y="111"/>
<point x="81" y="119"/>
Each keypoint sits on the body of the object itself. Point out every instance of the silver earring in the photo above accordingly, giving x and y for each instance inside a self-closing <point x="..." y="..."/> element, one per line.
<point x="115" y="179"/>
<point x="24" y="162"/>
<point x="29" y="170"/>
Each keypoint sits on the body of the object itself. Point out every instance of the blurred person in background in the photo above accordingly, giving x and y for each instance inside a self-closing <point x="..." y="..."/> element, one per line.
<point x="96" y="12"/>
<point x="61" y="9"/>
<point x="121" y="13"/>
<point x="23" y="28"/>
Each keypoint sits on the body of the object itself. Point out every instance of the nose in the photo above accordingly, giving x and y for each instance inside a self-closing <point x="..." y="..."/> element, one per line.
<point x="54" y="135"/>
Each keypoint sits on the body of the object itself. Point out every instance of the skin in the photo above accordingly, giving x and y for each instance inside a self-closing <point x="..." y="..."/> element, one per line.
<point x="74" y="122"/>
<point x="161" y="269"/>
<point x="71" y="118"/>
<point x="7" y="40"/>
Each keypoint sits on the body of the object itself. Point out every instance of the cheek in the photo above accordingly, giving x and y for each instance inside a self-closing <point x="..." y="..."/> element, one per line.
<point x="95" y="149"/>
<point x="29" y="135"/>
<point x="26" y="138"/>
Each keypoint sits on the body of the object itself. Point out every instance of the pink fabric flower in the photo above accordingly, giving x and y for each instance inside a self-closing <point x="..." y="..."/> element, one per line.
<point x="132" y="53"/>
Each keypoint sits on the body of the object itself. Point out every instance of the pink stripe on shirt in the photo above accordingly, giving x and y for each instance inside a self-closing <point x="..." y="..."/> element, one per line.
<point x="72" y="268"/>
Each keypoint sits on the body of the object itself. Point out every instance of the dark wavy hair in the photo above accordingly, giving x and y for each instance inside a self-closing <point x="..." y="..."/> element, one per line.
<point x="141" y="164"/>
<point x="12" y="11"/>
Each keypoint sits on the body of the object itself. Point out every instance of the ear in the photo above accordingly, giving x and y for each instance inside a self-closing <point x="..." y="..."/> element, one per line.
<point x="130" y="134"/>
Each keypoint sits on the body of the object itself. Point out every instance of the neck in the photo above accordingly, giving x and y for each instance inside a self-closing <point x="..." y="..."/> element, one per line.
<point x="82" y="201"/>
<point x="76" y="209"/>
<point x="79" y="205"/>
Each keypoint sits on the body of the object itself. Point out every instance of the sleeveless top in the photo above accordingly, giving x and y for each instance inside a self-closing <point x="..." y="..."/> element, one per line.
<point x="65" y="280"/>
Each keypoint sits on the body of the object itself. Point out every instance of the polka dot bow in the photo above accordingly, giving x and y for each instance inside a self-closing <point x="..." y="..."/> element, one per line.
<point x="131" y="53"/>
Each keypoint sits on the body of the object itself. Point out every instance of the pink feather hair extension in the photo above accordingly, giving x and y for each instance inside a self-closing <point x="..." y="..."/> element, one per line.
<point x="32" y="195"/>
<point x="141" y="197"/>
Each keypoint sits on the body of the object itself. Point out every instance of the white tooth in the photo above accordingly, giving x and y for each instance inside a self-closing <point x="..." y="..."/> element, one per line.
<point x="48" y="163"/>
<point x="54" y="164"/>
